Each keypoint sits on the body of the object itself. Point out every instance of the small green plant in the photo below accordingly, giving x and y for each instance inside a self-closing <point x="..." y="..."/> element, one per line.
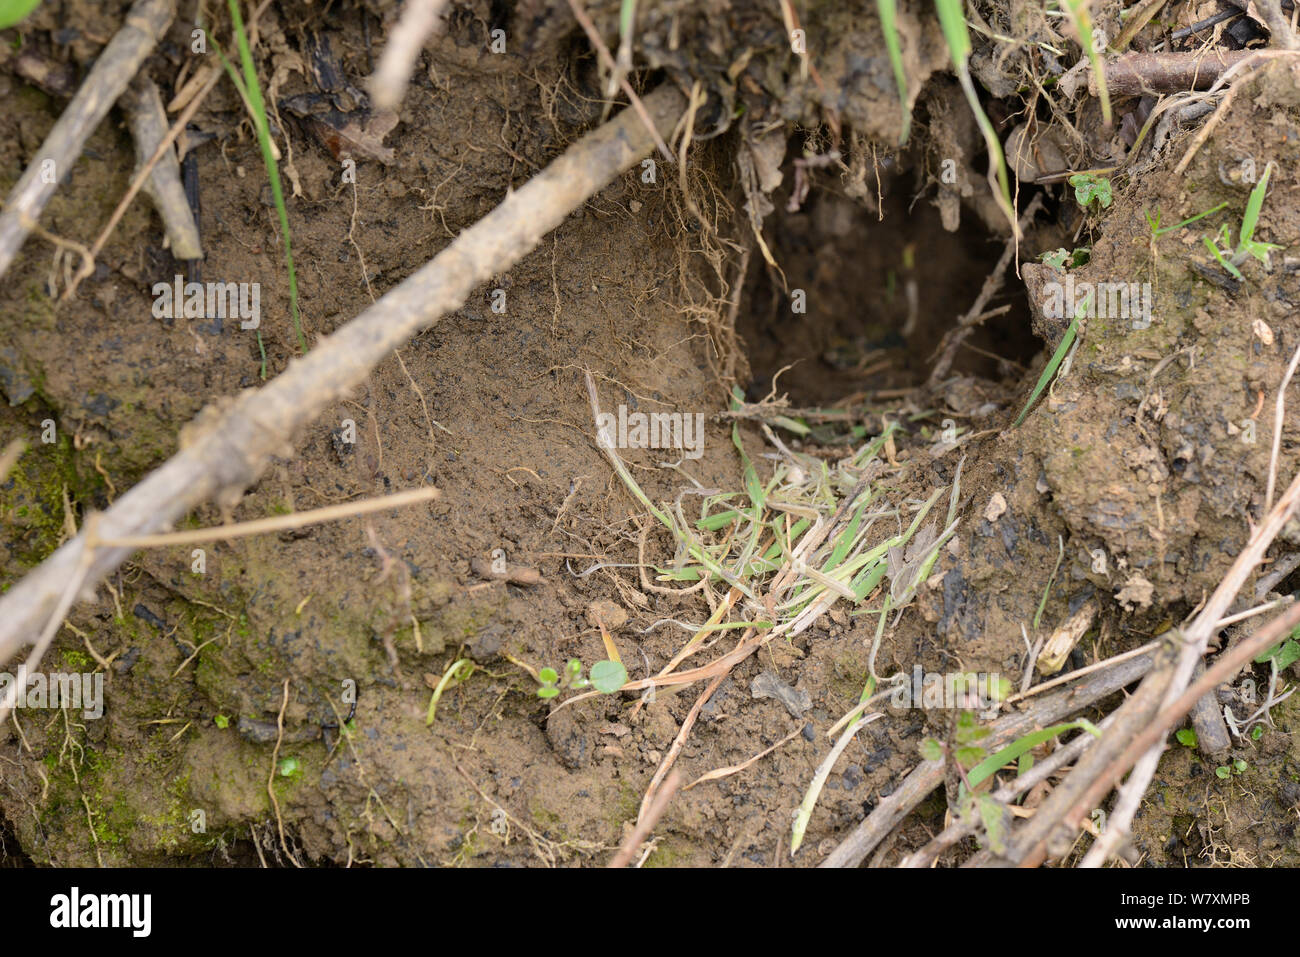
<point x="1225" y="771"/>
<point x="1283" y="654"/>
<point x="13" y="11"/>
<point x="221" y="721"/>
<point x="458" y="671"/>
<point x="1067" y="259"/>
<point x="605" y="677"/>
<point x="975" y="765"/>
<point x="289" y="767"/>
<point x="1089" y="187"/>
<point x="1186" y="737"/>
<point x="1230" y="258"/>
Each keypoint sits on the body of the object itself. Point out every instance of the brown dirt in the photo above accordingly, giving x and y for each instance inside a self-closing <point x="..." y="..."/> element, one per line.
<point x="1142" y="460"/>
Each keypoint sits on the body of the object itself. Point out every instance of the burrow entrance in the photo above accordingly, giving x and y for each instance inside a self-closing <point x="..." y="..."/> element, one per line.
<point x="879" y="295"/>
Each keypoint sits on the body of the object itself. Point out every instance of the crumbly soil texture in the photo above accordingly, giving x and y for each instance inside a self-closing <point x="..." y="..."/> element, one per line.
<point x="266" y="699"/>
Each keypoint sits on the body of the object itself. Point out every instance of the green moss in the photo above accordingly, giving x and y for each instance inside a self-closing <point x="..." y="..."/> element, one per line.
<point x="671" y="852"/>
<point x="74" y="660"/>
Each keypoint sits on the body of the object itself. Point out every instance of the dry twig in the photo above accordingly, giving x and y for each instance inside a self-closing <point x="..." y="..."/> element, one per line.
<point x="236" y="440"/>
<point x="145" y="23"/>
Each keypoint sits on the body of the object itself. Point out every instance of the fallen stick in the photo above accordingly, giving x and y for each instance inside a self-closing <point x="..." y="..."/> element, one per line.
<point x="647" y="823"/>
<point x="1207" y="721"/>
<point x="1151" y="737"/>
<point x="1134" y="74"/>
<point x="1060" y="815"/>
<point x="419" y="19"/>
<point x="145" y="23"/>
<point x="928" y="775"/>
<point x="143" y="104"/>
<point x="233" y="444"/>
<point x="1041" y="771"/>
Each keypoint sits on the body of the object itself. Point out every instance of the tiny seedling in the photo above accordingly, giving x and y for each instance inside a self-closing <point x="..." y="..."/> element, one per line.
<point x="457" y="672"/>
<point x="1186" y="737"/>
<point x="1220" y="246"/>
<point x="605" y="677"/>
<point x="1226" y="771"/>
<point x="1051" y="579"/>
<point x="221" y="721"/>
<point x="1089" y="187"/>
<point x="289" y="767"/>
<point x="1067" y="259"/>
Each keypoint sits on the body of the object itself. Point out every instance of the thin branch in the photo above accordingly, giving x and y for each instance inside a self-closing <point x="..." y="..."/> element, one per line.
<point x="113" y="70"/>
<point x="278" y="523"/>
<point x="234" y="442"/>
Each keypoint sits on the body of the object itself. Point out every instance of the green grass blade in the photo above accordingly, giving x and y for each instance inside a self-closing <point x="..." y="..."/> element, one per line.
<point x="1021" y="746"/>
<point x="1253" y="207"/>
<point x="1052" y="365"/>
<point x="1078" y="12"/>
<point x="952" y="18"/>
<point x="1157" y="230"/>
<point x="254" y="92"/>
<point x="13" y="11"/>
<point x="889" y="26"/>
<point x="1051" y="579"/>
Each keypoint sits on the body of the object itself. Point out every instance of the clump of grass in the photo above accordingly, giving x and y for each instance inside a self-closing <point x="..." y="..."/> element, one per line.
<point x="251" y="91"/>
<point x="1246" y="243"/>
<point x="791" y="547"/>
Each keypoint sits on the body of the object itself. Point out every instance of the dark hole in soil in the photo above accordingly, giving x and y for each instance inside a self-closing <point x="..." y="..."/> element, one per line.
<point x="879" y="297"/>
<point x="11" y="851"/>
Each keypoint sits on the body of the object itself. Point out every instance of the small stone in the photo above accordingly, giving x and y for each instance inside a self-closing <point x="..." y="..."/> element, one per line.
<point x="768" y="685"/>
<point x="996" y="507"/>
<point x="611" y="614"/>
